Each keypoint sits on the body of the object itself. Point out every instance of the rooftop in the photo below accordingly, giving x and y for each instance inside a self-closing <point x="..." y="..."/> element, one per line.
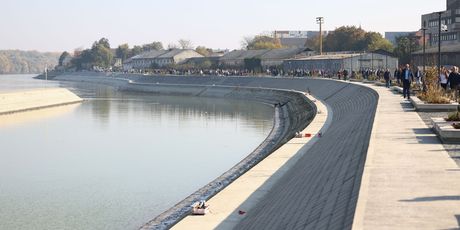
<point x="444" y="49"/>
<point x="328" y="57"/>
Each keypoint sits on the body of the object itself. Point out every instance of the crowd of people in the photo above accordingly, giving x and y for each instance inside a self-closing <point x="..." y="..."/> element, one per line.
<point x="404" y="75"/>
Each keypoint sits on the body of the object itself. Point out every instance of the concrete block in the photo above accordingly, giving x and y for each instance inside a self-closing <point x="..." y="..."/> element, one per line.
<point x="445" y="131"/>
<point x="421" y="106"/>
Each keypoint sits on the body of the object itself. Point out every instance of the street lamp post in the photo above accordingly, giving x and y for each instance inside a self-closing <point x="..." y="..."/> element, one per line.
<point x="320" y="21"/>
<point x="439" y="43"/>
<point x="423" y="57"/>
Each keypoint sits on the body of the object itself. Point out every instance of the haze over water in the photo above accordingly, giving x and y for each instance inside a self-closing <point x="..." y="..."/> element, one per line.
<point x="118" y="159"/>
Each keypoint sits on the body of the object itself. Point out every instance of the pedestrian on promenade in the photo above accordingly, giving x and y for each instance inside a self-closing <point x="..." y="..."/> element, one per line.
<point x="443" y="78"/>
<point x="407" y="77"/>
<point x="454" y="81"/>
<point x="345" y="74"/>
<point x="418" y="78"/>
<point x="397" y="75"/>
<point x="387" y="76"/>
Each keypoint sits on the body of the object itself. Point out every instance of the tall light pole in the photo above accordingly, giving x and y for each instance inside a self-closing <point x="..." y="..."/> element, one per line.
<point x="320" y="21"/>
<point x="439" y="43"/>
<point x="423" y="56"/>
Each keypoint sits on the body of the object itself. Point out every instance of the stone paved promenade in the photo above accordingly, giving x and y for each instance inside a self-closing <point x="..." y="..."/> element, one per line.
<point x="409" y="182"/>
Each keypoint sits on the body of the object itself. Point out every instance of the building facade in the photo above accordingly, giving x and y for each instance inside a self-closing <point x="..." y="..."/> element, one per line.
<point x="265" y="58"/>
<point x="450" y="21"/>
<point x="334" y="62"/>
<point x="450" y="37"/>
<point x="159" y="58"/>
<point x="294" y="38"/>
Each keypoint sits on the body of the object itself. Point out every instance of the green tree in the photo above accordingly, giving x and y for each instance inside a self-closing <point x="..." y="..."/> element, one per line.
<point x="405" y="45"/>
<point x="345" y="38"/>
<point x="152" y="46"/>
<point x="261" y="42"/>
<point x="123" y="51"/>
<point x="63" y="56"/>
<point x="104" y="42"/>
<point x="83" y="59"/>
<point x="352" y="38"/>
<point x="375" y="41"/>
<point x="135" y="51"/>
<point x="101" y="55"/>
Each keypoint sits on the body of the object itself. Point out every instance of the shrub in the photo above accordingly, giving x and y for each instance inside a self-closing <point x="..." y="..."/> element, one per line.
<point x="372" y="77"/>
<point x="453" y="116"/>
<point x="456" y="125"/>
<point x="434" y="94"/>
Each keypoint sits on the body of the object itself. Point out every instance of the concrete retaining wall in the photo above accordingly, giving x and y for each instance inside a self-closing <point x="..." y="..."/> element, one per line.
<point x="13" y="102"/>
<point x="293" y="112"/>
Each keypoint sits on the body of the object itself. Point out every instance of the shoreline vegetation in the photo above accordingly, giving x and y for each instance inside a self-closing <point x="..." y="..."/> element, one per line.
<point x="26" y="62"/>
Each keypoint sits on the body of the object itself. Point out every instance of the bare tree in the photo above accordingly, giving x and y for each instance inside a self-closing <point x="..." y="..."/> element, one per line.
<point x="172" y="46"/>
<point x="246" y="41"/>
<point x="185" y="44"/>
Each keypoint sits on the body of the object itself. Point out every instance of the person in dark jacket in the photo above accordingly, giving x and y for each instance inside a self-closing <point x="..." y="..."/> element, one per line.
<point x="387" y="76"/>
<point x="407" y="77"/>
<point x="454" y="81"/>
<point x="396" y="75"/>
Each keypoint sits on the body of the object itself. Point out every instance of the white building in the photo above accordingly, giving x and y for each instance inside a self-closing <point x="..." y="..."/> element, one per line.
<point x="159" y="58"/>
<point x="295" y="38"/>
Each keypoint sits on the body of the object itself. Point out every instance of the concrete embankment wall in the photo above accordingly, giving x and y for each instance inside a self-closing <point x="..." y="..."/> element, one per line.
<point x="293" y="112"/>
<point x="321" y="189"/>
<point x="13" y="102"/>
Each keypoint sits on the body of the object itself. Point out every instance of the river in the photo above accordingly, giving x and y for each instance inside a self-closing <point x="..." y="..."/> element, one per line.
<point x="119" y="158"/>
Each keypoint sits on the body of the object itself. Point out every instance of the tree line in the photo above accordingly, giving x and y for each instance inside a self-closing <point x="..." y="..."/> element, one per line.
<point x="345" y="38"/>
<point x="102" y="55"/>
<point x="26" y="62"/>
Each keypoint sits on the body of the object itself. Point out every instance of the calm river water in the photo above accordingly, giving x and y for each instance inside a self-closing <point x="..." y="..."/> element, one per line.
<point x="118" y="159"/>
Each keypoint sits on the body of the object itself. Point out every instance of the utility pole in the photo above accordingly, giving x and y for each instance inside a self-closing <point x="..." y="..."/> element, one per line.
<point x="320" y="21"/>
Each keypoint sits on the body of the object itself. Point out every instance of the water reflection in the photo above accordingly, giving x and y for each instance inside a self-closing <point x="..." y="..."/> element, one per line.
<point x="119" y="158"/>
<point x="23" y="118"/>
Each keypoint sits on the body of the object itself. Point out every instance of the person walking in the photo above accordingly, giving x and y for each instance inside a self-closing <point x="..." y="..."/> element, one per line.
<point x="397" y="75"/>
<point x="418" y="78"/>
<point x="407" y="77"/>
<point x="454" y="81"/>
<point x="443" y="78"/>
<point x="387" y="76"/>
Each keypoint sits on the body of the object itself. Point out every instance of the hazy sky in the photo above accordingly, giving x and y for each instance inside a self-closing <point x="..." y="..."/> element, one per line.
<point x="58" y="25"/>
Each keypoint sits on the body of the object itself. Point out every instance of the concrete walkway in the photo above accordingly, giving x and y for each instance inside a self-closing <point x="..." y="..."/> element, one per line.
<point x="13" y="102"/>
<point x="244" y="193"/>
<point x="409" y="180"/>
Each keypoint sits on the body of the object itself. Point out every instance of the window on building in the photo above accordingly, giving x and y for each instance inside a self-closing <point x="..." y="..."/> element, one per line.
<point x="433" y="23"/>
